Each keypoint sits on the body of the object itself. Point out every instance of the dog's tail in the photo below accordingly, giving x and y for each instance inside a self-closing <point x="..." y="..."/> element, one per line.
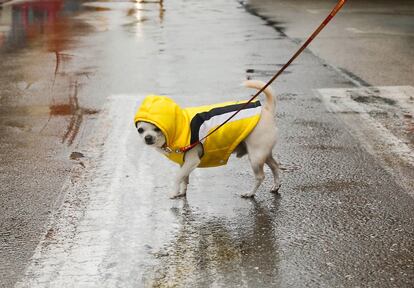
<point x="270" y="101"/>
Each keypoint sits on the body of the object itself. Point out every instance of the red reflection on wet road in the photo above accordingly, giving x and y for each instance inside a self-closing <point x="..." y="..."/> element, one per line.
<point x="22" y="23"/>
<point x="48" y="25"/>
<point x="74" y="110"/>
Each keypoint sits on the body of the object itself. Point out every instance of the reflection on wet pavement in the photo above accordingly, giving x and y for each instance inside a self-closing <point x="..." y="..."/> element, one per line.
<point x="213" y="251"/>
<point x="24" y="22"/>
<point x="50" y="28"/>
<point x="77" y="113"/>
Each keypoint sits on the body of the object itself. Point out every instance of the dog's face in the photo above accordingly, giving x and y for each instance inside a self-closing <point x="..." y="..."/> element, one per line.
<point x="151" y="134"/>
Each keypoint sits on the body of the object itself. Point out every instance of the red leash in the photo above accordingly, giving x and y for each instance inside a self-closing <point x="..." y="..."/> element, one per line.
<point x="314" y="34"/>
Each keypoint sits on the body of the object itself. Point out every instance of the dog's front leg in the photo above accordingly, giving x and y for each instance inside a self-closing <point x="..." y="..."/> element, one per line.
<point x="183" y="185"/>
<point x="191" y="161"/>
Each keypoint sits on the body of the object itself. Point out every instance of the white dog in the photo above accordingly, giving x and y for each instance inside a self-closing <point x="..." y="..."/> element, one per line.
<point x="163" y="125"/>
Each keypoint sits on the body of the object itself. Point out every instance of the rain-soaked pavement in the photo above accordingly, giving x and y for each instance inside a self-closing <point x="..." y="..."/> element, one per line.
<point x="84" y="204"/>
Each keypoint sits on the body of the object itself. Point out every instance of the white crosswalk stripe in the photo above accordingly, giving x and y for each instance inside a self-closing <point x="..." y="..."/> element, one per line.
<point x="382" y="119"/>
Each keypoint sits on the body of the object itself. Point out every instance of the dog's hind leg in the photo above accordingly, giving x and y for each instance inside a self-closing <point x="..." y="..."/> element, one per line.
<point x="259" y="175"/>
<point x="274" y="166"/>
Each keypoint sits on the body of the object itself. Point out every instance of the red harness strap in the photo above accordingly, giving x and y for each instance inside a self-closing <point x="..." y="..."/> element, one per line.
<point x="303" y="47"/>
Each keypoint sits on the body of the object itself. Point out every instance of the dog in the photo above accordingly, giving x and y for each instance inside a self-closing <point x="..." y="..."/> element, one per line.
<point x="163" y="125"/>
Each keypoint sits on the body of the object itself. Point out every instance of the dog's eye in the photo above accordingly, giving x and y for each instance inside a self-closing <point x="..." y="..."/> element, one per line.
<point x="156" y="129"/>
<point x="140" y="130"/>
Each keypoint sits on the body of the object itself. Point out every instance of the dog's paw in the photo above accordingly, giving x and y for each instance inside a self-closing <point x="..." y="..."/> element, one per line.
<point x="275" y="188"/>
<point x="247" y="195"/>
<point x="177" y="195"/>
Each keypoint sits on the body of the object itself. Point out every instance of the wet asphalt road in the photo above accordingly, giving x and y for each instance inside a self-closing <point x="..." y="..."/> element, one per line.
<point x="84" y="204"/>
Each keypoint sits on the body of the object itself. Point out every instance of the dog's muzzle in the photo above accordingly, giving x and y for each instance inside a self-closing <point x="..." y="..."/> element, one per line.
<point x="149" y="140"/>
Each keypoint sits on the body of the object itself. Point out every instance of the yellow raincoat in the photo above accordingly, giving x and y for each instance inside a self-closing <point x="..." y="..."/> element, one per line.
<point x="183" y="127"/>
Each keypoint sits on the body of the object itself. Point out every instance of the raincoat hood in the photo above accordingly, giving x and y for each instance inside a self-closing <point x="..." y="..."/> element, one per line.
<point x="166" y="115"/>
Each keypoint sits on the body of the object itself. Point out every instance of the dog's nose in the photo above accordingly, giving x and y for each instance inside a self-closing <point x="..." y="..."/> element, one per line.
<point x="148" y="139"/>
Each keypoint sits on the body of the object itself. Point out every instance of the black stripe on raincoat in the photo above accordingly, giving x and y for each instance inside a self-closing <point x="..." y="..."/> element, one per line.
<point x="200" y="118"/>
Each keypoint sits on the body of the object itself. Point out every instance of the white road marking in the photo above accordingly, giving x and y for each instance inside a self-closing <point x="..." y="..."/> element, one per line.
<point x="354" y="30"/>
<point x="314" y="11"/>
<point x="382" y="32"/>
<point x="107" y="228"/>
<point x="396" y="153"/>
